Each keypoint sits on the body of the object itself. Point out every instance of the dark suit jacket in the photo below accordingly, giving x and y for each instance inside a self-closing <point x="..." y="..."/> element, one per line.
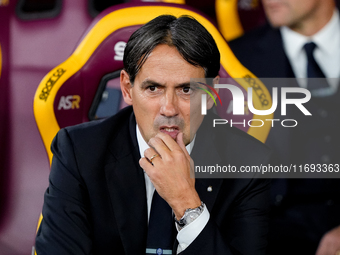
<point x="96" y="199"/>
<point x="262" y="52"/>
<point x="314" y="201"/>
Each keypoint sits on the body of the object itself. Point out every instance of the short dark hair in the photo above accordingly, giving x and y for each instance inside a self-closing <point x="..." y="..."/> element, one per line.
<point x="191" y="39"/>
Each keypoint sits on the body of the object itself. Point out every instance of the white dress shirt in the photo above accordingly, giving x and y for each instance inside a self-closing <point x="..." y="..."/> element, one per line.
<point x="188" y="234"/>
<point x="326" y="54"/>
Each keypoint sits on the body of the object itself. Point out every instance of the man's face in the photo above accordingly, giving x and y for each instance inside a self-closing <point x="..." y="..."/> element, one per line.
<point x="161" y="95"/>
<point x="290" y="13"/>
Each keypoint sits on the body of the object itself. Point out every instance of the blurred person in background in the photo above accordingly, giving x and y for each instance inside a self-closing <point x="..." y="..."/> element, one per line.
<point x="302" y="40"/>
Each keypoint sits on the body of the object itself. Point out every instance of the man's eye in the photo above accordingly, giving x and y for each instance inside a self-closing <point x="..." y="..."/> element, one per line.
<point x="152" y="88"/>
<point x="186" y="90"/>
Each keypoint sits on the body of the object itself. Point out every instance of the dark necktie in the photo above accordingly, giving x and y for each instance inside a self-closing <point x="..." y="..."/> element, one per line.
<point x="160" y="231"/>
<point x="314" y="71"/>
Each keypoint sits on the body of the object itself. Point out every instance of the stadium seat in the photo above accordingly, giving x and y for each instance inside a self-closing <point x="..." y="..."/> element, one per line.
<point x="32" y="43"/>
<point x="4" y="115"/>
<point x="234" y="17"/>
<point x="5" y="122"/>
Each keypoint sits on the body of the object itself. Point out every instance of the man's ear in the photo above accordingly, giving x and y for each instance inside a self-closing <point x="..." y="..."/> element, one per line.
<point x="210" y="101"/>
<point x="126" y="86"/>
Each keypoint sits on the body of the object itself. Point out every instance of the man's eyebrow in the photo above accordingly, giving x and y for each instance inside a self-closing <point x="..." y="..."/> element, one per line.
<point x="184" y="84"/>
<point x="147" y="83"/>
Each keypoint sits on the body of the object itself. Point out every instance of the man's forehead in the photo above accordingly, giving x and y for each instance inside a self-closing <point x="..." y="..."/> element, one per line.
<point x="164" y="53"/>
<point x="164" y="64"/>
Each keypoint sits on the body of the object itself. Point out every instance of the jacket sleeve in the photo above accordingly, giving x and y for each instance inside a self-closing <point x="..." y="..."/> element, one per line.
<point x="65" y="228"/>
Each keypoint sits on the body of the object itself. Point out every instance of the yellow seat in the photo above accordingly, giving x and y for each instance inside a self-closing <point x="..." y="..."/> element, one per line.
<point x="234" y="17"/>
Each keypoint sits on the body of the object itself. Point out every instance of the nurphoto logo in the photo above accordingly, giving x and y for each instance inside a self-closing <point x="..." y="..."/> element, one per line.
<point x="238" y="103"/>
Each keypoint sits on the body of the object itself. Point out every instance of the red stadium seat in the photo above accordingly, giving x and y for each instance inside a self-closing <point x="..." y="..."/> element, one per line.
<point x="31" y="45"/>
<point x="4" y="111"/>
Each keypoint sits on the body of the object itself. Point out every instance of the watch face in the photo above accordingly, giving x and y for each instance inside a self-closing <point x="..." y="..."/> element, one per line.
<point x="191" y="217"/>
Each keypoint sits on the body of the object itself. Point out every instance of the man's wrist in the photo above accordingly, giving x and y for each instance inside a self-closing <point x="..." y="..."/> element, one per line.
<point x="189" y="216"/>
<point x="183" y="204"/>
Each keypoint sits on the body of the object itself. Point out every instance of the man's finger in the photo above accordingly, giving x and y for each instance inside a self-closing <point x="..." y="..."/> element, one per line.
<point x="148" y="153"/>
<point x="158" y="145"/>
<point x="180" y="142"/>
<point x="168" y="141"/>
<point x="145" y="164"/>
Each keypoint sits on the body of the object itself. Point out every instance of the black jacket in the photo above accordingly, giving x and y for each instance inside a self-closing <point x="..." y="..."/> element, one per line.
<point x="96" y="199"/>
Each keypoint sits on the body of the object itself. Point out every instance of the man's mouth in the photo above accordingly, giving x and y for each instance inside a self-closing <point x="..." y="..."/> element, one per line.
<point x="172" y="131"/>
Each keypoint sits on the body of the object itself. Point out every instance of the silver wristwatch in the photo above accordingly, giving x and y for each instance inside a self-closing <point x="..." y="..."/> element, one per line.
<point x="189" y="216"/>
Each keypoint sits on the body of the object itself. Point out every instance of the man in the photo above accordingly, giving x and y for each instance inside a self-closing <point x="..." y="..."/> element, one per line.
<point x="100" y="201"/>
<point x="303" y="41"/>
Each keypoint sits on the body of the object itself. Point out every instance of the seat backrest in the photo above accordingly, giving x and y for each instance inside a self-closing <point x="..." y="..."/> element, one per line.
<point x="4" y="109"/>
<point x="0" y="60"/>
<point x="77" y="90"/>
<point x="234" y="17"/>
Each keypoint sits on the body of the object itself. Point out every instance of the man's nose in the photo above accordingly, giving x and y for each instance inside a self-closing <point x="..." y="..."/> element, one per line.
<point x="169" y="105"/>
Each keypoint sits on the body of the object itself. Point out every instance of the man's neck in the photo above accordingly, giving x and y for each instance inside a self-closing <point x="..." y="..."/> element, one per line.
<point x="315" y="22"/>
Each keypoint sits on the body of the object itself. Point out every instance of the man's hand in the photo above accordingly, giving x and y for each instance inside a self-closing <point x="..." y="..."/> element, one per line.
<point x="170" y="172"/>
<point x="330" y="243"/>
